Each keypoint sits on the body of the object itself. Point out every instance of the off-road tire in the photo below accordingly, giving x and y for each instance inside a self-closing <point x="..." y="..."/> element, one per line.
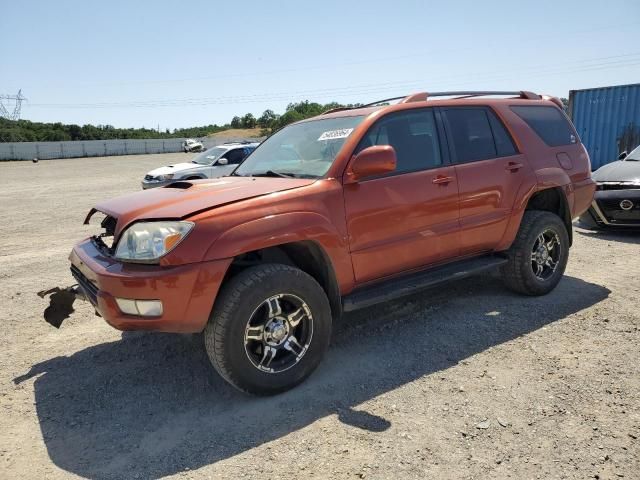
<point x="224" y="335"/>
<point x="518" y="274"/>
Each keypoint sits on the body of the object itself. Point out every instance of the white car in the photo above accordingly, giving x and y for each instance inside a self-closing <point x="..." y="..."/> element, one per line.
<point x="191" y="145"/>
<point x="215" y="162"/>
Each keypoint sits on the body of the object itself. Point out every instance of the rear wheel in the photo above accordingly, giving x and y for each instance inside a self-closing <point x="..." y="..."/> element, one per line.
<point x="269" y="329"/>
<point x="539" y="254"/>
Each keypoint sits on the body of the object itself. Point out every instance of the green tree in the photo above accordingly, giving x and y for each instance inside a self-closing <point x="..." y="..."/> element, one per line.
<point x="249" y="121"/>
<point x="267" y="119"/>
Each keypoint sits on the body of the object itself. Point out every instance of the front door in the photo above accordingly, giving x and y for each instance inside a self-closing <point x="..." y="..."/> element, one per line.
<point x="233" y="157"/>
<point x="409" y="218"/>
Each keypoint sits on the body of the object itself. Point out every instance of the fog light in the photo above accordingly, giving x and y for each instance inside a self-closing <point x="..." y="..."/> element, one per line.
<point x="149" y="308"/>
<point x="145" y="308"/>
<point x="127" y="306"/>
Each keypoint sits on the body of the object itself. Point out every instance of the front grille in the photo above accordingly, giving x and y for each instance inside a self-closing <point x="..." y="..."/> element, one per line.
<point x="89" y="289"/>
<point x="148" y="177"/>
<point x="614" y="213"/>
<point x="616" y="185"/>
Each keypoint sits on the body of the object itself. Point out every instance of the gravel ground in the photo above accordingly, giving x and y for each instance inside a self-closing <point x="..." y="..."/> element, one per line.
<point x="467" y="382"/>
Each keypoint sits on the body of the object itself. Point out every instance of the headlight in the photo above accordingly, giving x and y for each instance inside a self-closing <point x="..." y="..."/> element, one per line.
<point x="168" y="176"/>
<point x="148" y="241"/>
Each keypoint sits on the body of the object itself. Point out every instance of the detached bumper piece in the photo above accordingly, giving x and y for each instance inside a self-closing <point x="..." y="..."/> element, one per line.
<point x="616" y="208"/>
<point x="60" y="303"/>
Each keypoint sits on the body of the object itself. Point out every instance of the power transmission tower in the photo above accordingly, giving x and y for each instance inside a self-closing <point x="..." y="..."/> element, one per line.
<point x="17" y="99"/>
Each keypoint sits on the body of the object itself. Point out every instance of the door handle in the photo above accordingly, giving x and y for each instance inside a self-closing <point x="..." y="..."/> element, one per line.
<point x="513" y="166"/>
<point x="442" y="180"/>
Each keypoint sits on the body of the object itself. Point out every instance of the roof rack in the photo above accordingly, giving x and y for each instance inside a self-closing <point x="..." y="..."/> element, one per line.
<point x="472" y="93"/>
<point x="424" y="96"/>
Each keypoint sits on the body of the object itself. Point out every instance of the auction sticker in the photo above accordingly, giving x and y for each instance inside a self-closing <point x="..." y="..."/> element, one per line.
<point x="334" y="134"/>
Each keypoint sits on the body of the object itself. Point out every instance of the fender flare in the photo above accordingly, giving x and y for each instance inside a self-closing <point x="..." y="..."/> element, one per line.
<point x="275" y="230"/>
<point x="548" y="178"/>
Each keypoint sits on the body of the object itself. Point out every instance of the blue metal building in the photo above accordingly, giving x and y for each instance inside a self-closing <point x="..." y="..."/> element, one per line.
<point x="607" y="120"/>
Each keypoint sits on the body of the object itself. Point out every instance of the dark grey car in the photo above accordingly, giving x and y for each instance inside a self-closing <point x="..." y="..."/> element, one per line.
<point x="617" y="199"/>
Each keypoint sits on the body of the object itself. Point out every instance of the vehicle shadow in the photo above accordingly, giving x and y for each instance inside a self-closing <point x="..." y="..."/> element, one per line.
<point x="150" y="405"/>
<point x="628" y="235"/>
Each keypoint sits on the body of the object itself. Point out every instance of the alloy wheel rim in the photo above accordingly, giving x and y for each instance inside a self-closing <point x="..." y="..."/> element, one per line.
<point x="545" y="254"/>
<point x="278" y="333"/>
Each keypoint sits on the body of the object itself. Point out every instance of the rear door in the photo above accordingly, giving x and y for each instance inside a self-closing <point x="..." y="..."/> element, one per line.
<point x="489" y="170"/>
<point x="409" y="218"/>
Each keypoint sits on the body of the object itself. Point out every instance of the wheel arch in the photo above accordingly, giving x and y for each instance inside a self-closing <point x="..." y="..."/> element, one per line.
<point x="551" y="198"/>
<point x="307" y="255"/>
<point x="554" y="200"/>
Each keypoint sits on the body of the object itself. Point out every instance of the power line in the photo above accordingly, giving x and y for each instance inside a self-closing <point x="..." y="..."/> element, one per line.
<point x="320" y="66"/>
<point x="600" y="63"/>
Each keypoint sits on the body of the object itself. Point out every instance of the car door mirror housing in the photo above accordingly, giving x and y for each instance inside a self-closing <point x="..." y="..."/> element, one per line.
<point x="223" y="161"/>
<point x="371" y="162"/>
<point x="623" y="155"/>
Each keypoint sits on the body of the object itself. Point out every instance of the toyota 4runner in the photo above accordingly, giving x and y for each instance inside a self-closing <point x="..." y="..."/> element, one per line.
<point x="338" y="212"/>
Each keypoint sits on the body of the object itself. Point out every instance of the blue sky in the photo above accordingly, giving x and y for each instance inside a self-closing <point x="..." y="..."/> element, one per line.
<point x="179" y="64"/>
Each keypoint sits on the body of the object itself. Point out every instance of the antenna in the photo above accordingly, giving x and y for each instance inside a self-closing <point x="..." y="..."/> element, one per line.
<point x="17" y="106"/>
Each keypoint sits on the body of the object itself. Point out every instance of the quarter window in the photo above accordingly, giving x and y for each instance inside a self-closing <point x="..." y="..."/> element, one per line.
<point x="414" y="137"/>
<point x="548" y="122"/>
<point x="504" y="144"/>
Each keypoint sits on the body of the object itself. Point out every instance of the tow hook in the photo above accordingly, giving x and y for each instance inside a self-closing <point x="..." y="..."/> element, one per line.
<point x="60" y="303"/>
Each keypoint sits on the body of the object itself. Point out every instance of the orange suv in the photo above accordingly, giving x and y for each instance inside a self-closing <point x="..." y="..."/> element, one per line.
<point x="338" y="212"/>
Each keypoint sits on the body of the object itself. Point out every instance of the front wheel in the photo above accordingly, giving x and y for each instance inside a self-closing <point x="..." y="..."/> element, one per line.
<point x="539" y="254"/>
<point x="269" y="329"/>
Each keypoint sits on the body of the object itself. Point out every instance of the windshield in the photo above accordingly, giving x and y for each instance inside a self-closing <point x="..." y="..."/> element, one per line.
<point x="634" y="155"/>
<point x="302" y="150"/>
<point x="209" y="156"/>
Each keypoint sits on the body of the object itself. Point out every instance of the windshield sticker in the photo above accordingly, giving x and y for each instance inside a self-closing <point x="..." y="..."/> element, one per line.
<point x="335" y="134"/>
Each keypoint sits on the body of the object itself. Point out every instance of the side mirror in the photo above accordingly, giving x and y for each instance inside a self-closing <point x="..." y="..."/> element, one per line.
<point x="623" y="155"/>
<point x="370" y="162"/>
<point x="223" y="161"/>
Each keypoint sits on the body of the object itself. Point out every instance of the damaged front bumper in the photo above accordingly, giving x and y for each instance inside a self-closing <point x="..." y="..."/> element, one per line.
<point x="186" y="292"/>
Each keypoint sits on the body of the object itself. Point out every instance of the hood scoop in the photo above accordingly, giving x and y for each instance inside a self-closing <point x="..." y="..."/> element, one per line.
<point x="180" y="185"/>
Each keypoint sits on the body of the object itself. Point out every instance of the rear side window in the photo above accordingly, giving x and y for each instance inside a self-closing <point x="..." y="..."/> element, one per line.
<point x="471" y="133"/>
<point x="413" y="135"/>
<point x="548" y="122"/>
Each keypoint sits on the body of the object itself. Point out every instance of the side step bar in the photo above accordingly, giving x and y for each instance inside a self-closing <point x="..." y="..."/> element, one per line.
<point x="399" y="287"/>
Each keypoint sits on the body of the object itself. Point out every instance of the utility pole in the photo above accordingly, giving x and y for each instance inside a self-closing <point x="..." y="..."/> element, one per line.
<point x="17" y="105"/>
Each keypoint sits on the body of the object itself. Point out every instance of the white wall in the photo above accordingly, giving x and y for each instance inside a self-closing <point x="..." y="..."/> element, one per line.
<point x="95" y="148"/>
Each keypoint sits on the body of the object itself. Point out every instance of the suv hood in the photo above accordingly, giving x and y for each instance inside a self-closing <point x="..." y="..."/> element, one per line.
<point x="178" y="167"/>
<point x="620" y="171"/>
<point x="183" y="199"/>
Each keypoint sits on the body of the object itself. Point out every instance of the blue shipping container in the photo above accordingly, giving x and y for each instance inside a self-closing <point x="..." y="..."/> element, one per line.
<point x="607" y="120"/>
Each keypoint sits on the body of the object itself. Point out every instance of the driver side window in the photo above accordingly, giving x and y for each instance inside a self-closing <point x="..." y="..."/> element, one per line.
<point x="234" y="157"/>
<point x="413" y="135"/>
